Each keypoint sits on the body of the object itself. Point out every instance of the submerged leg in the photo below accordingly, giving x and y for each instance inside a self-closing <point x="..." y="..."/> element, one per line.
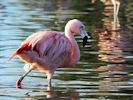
<point x="49" y="83"/>
<point x="49" y="88"/>
<point x="18" y="82"/>
<point x="49" y="78"/>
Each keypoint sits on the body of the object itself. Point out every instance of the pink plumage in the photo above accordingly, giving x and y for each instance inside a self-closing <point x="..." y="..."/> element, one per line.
<point x="48" y="50"/>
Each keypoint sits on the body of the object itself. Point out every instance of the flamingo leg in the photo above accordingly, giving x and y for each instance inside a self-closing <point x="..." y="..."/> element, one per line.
<point x="49" y="83"/>
<point x="49" y="77"/>
<point x="118" y="6"/>
<point x="18" y="82"/>
<point x="49" y="88"/>
<point x="115" y="6"/>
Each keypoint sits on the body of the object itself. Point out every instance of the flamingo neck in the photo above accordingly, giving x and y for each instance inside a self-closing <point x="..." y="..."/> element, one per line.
<point x="75" y="55"/>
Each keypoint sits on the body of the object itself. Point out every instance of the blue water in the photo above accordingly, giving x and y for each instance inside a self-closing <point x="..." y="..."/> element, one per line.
<point x="104" y="71"/>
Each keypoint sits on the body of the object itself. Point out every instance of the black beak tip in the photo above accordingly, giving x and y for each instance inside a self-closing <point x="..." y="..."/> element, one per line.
<point x="85" y="41"/>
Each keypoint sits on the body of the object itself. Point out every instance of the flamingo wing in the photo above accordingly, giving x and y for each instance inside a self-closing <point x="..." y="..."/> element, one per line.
<point x="51" y="46"/>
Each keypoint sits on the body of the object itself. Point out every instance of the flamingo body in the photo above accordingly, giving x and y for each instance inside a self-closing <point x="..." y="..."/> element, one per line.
<point x="48" y="50"/>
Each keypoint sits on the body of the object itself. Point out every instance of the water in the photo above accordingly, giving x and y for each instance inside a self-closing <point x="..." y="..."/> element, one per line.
<point x="105" y="69"/>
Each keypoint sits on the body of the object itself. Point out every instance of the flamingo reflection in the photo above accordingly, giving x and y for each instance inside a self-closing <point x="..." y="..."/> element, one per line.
<point x="113" y="41"/>
<point x="116" y="6"/>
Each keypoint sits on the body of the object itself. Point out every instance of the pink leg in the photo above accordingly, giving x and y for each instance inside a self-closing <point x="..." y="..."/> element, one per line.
<point x="18" y="82"/>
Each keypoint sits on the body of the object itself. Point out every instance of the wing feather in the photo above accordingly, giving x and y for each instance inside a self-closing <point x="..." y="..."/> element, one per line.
<point x="48" y="44"/>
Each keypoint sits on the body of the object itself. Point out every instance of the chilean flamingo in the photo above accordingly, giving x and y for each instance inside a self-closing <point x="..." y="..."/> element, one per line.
<point x="48" y="50"/>
<point x="116" y="6"/>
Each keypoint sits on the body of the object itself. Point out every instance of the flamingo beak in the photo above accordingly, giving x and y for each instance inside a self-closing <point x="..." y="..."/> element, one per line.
<point x="85" y="37"/>
<point x="85" y="41"/>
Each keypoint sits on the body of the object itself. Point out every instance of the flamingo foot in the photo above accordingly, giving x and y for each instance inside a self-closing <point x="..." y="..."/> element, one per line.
<point x="18" y="84"/>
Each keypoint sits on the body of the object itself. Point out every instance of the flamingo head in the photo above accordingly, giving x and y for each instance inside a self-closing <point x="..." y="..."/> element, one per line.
<point x="77" y="27"/>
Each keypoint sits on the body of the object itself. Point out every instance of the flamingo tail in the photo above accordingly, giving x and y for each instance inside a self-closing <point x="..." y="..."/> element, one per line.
<point x="19" y="50"/>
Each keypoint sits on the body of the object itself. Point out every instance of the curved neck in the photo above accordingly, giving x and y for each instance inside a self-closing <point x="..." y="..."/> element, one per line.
<point x="75" y="55"/>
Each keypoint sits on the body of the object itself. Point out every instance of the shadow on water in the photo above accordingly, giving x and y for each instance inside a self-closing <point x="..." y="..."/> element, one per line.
<point x="105" y="68"/>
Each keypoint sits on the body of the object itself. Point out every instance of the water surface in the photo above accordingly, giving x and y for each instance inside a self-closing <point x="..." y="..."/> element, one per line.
<point x="104" y="71"/>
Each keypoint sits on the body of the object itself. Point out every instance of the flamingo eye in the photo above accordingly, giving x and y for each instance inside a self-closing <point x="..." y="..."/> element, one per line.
<point x="82" y="27"/>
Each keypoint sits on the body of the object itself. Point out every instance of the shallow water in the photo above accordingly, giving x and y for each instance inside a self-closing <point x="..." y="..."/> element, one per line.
<point x="104" y="71"/>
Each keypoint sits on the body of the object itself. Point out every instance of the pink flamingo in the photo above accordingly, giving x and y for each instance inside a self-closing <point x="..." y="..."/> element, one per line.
<point x="48" y="50"/>
<point x="116" y="6"/>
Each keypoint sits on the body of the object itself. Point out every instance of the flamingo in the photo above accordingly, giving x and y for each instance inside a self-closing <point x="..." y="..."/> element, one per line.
<point x="116" y="6"/>
<point x="49" y="50"/>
